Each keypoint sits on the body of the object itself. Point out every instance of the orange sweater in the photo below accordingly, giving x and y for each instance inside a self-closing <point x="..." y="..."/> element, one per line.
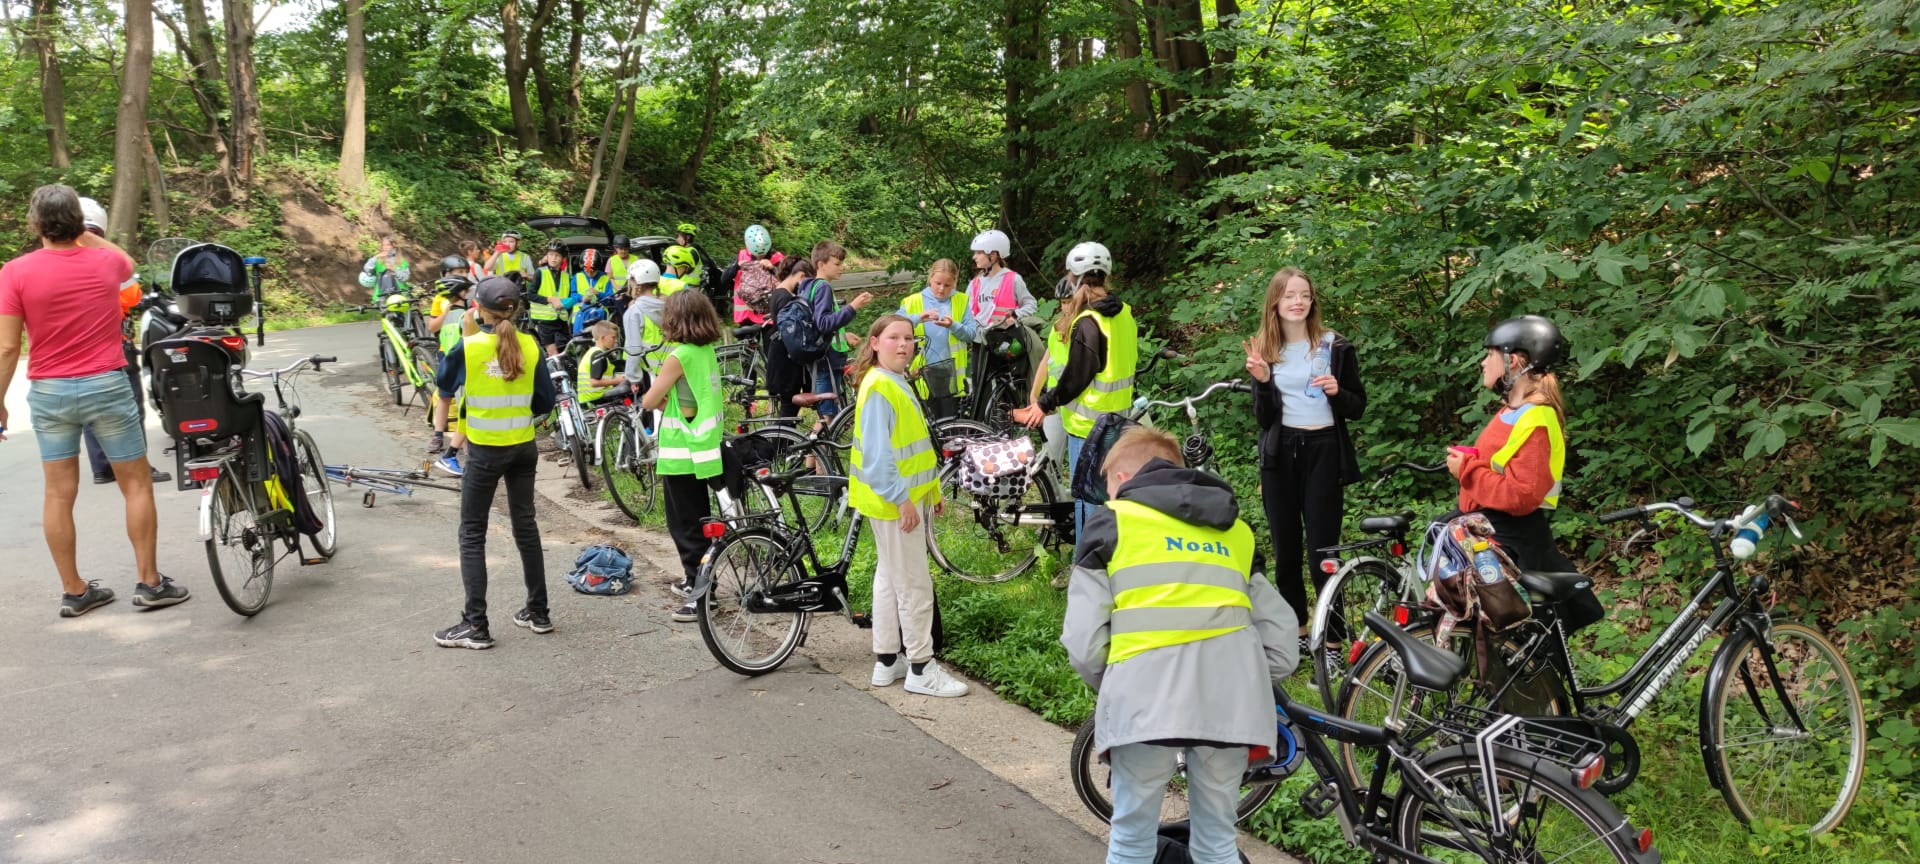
<point x="1522" y="486"/>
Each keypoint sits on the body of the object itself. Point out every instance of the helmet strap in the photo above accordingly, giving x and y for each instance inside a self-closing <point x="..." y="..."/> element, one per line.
<point x="1509" y="377"/>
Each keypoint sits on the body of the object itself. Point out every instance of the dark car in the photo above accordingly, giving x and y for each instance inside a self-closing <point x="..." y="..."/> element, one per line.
<point x="580" y="233"/>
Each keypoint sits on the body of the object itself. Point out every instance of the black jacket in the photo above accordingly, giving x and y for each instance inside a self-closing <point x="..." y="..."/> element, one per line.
<point x="1086" y="356"/>
<point x="1348" y="404"/>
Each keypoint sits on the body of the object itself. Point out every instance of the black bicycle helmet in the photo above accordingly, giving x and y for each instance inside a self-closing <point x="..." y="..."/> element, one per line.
<point x="619" y="241"/>
<point x="556" y="246"/>
<point x="452" y="263"/>
<point x="1533" y="335"/>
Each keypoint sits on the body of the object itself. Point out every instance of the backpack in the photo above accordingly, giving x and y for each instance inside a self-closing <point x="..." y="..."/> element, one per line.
<point x="1089" y="483"/>
<point x="603" y="570"/>
<point x="802" y="339"/>
<point x="284" y="483"/>
<point x="1454" y="584"/>
<point x="753" y="285"/>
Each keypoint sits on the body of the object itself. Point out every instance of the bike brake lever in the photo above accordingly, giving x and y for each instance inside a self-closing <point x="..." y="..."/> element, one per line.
<point x="1793" y="526"/>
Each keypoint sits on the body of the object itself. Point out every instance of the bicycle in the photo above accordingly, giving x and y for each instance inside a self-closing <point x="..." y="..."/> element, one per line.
<point x="568" y="420"/>
<point x="627" y="445"/>
<point x="393" y="481"/>
<point x="406" y="358"/>
<point x="1517" y="791"/>
<point x="244" y="511"/>
<point x="1773" y="689"/>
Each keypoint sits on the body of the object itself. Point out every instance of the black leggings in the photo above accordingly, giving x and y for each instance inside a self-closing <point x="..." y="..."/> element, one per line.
<point x="687" y="503"/>
<point x="486" y="468"/>
<point x="1303" y="491"/>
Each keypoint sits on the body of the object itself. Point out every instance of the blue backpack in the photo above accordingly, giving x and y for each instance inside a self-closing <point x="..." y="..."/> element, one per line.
<point x="802" y="339"/>
<point x="603" y="570"/>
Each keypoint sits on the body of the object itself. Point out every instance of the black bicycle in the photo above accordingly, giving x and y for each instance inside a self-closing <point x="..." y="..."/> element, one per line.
<point x="1469" y="786"/>
<point x="1782" y="730"/>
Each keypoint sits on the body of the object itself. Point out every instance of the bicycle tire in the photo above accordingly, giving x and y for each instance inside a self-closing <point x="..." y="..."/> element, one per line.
<point x="626" y="464"/>
<point x="994" y="551"/>
<point x="1369" y="584"/>
<point x="313" y="480"/>
<point x="1595" y="830"/>
<point x="820" y="502"/>
<point x="745" y="562"/>
<point x="426" y="364"/>
<point x="390" y="369"/>
<point x="1091" y="779"/>
<point x="246" y="579"/>
<point x="1745" y="690"/>
<point x="577" y="446"/>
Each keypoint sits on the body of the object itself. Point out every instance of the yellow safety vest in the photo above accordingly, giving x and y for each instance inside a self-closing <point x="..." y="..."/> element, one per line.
<point x="499" y="412"/>
<point x="1537" y="417"/>
<point x="585" y="286"/>
<point x="617" y="268"/>
<point x="916" y="304"/>
<point x="513" y="262"/>
<point x="671" y="285"/>
<point x="1111" y="390"/>
<point x="585" y="391"/>
<point x="549" y="287"/>
<point x="691" y="445"/>
<point x="1175" y="582"/>
<point x="911" y="449"/>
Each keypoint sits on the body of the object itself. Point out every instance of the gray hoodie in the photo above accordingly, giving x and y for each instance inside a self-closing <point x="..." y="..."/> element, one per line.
<point x="1217" y="690"/>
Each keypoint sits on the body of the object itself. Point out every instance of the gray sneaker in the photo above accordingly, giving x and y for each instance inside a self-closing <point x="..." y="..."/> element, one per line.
<point x="167" y="593"/>
<point x="76" y="605"/>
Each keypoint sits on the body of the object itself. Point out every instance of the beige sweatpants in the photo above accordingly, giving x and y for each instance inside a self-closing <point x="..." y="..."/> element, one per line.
<point x="902" y="590"/>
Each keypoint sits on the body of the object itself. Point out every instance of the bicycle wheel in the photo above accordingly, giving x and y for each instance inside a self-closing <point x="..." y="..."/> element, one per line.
<point x="1093" y="780"/>
<point x="426" y="365"/>
<point x="1368" y="585"/>
<point x="390" y="370"/>
<point x="578" y="446"/>
<point x="1803" y="775"/>
<point x="993" y="539"/>
<point x="626" y="463"/>
<point x="1543" y="816"/>
<point x="745" y="642"/>
<point x="239" y="551"/>
<point x="313" y="483"/>
<point x="820" y="493"/>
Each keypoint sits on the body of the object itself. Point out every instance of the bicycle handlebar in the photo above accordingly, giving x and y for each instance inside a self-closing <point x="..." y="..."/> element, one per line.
<point x="1773" y="506"/>
<point x="1143" y="403"/>
<point x="297" y="365"/>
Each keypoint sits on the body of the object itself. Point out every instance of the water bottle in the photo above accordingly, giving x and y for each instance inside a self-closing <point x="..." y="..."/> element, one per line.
<point x="1486" y="563"/>
<point x="1318" y="363"/>
<point x="1748" y="537"/>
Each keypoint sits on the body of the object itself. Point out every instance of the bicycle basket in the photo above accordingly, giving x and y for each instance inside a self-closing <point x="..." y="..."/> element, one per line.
<point x="939" y="380"/>
<point x="1089" y="482"/>
<point x="995" y="468"/>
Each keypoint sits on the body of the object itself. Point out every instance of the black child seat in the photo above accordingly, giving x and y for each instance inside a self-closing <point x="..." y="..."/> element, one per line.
<point x="210" y="283"/>
<point x="202" y="406"/>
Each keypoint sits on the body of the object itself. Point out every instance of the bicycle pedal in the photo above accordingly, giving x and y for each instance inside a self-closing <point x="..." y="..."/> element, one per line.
<point x="1319" y="800"/>
<point x="306" y="561"/>
<point x="864" y="622"/>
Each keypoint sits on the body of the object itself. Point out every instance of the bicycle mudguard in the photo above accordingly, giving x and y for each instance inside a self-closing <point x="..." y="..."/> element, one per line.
<point x="1742" y="633"/>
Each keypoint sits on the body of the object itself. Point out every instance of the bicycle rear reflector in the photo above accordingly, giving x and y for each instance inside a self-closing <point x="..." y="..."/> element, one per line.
<point x="204" y="474"/>
<point x="197" y="425"/>
<point x="1397" y="549"/>
<point x="1645" y="840"/>
<point x="713" y="530"/>
<point x="1586" y="775"/>
<point x="1330" y="566"/>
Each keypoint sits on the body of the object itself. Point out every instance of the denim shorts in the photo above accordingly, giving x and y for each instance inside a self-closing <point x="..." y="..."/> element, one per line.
<point x="62" y="407"/>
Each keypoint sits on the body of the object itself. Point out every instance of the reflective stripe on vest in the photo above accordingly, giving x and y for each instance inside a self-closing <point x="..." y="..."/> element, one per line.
<point x="1174" y="582"/>
<point x="549" y="287"/>
<point x="910" y="446"/>
<point x="956" y="347"/>
<point x="1111" y="390"/>
<point x="692" y="445"/>
<point x="585" y="391"/>
<point x="499" y="412"/>
<point x="1534" y="417"/>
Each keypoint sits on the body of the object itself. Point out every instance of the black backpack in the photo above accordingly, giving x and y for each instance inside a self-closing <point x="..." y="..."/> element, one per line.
<point x="802" y="339"/>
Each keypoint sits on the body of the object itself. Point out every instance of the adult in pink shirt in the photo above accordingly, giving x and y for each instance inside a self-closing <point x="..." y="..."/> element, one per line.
<point x="66" y="297"/>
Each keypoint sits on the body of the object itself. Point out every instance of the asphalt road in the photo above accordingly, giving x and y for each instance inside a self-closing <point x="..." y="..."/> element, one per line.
<point x="331" y="728"/>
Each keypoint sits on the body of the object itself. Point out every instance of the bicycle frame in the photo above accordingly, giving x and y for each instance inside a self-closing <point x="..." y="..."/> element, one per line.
<point x="402" y="348"/>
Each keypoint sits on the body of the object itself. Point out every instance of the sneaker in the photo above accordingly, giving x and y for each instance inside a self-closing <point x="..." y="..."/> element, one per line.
<point x="159" y="476"/>
<point x="167" y="593"/>
<point x="536" y="623"/>
<point x="683" y="588"/>
<point x="76" y="605"/>
<point x="687" y="613"/>
<point x="102" y="478"/>
<point x="437" y="443"/>
<point x="935" y="682"/>
<point x="884" y="675"/>
<point x="448" y="463"/>
<point x="464" y="635"/>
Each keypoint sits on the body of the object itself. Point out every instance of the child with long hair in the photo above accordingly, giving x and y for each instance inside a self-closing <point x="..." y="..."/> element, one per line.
<point x="896" y="485"/>
<point x="687" y="391"/>
<point x="942" y="318"/>
<point x="1512" y="472"/>
<point x="1307" y="387"/>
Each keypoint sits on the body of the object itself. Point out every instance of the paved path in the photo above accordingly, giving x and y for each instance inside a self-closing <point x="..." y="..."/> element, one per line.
<point x="331" y="728"/>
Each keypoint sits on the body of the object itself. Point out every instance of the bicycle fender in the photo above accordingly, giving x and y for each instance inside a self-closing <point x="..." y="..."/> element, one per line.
<point x="205" y="528"/>
<point x="703" y="578"/>
<point x="1718" y="672"/>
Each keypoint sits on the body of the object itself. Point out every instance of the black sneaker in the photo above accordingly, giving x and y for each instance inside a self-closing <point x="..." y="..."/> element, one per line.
<point x="167" y="593"/>
<point x="76" y="605"/>
<point x="682" y="588"/>
<point x="463" y="635"/>
<point x="686" y="613"/>
<point x="536" y="623"/>
<point x="102" y="478"/>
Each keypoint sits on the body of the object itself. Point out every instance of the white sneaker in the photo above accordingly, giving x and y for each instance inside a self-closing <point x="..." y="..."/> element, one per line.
<point x="884" y="675"/>
<point x="935" y="682"/>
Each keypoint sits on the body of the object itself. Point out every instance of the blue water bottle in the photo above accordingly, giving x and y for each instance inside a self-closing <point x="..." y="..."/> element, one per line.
<point x="1748" y="537"/>
<point x="1486" y="563"/>
<point x="1319" y="362"/>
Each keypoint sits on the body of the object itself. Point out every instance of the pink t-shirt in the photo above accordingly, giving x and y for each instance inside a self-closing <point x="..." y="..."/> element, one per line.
<point x="70" y="301"/>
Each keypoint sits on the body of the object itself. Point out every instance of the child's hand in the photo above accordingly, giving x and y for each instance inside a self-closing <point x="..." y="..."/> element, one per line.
<point x="1456" y="462"/>
<point x="854" y="340"/>
<point x="909" y="517"/>
<point x="1328" y="384"/>
<point x="929" y="316"/>
<point x="862" y="300"/>
<point x="1256" y="366"/>
<point x="945" y="321"/>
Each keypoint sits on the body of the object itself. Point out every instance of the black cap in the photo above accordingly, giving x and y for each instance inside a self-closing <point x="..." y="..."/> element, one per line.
<point x="497" y="293"/>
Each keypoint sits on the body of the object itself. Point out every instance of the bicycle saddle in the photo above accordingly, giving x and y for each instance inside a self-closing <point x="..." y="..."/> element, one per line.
<point x="618" y="391"/>
<point x="748" y="332"/>
<point x="1427" y="667"/>
<point x="808" y="400"/>
<point x="783" y="480"/>
<point x="1394" y="524"/>
<point x="1555" y="587"/>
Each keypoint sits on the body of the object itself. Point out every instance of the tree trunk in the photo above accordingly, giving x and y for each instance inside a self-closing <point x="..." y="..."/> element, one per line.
<point x="620" y="154"/>
<point x="1126" y="46"/>
<point x="524" y="128"/>
<point x="550" y="108"/>
<point x="205" y="55"/>
<point x="205" y="89"/>
<point x="353" y="141"/>
<point x="249" y="139"/>
<point x="712" y="113"/>
<point x="1224" y="11"/>
<point x="53" y="91"/>
<point x="570" y="125"/>
<point x="1025" y="57"/>
<point x="156" y="186"/>
<point x="130" y="123"/>
<point x="629" y="53"/>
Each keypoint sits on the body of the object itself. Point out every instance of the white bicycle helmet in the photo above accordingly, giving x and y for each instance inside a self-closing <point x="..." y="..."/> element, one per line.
<point x="93" y="214"/>
<point x="1089" y="257"/>
<point x="643" y="272"/>
<point x="992" y="241"/>
<point x="759" y="242"/>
